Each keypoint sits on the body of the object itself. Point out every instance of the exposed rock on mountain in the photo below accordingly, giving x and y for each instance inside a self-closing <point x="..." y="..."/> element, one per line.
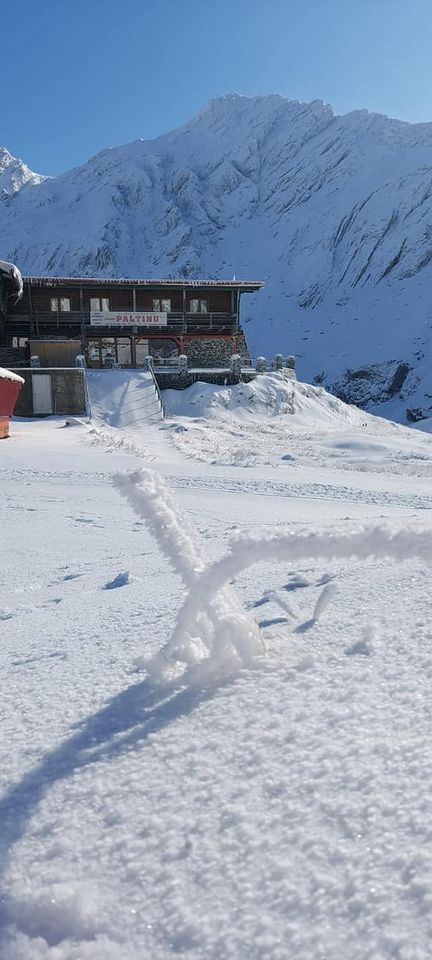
<point x="333" y="212"/>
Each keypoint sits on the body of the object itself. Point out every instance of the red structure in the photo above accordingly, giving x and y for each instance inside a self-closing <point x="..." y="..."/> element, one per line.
<point x="10" y="386"/>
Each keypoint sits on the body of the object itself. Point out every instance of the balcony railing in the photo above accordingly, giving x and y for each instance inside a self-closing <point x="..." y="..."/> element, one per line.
<point x="74" y="321"/>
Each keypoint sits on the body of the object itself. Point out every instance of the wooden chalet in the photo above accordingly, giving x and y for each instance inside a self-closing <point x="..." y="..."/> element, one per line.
<point x="123" y="321"/>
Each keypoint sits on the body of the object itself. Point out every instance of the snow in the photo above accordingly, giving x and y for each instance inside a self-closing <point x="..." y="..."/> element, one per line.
<point x="257" y="807"/>
<point x="330" y="211"/>
<point x="9" y="375"/>
<point x="14" y="175"/>
<point x="123" y="398"/>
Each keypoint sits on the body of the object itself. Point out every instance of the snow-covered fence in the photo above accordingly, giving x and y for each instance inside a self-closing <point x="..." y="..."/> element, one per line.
<point x="263" y="365"/>
<point x="213" y="633"/>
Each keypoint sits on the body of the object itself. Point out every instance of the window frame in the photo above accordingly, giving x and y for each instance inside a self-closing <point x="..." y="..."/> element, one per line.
<point x="57" y="305"/>
<point x="161" y="308"/>
<point x="202" y="305"/>
<point x="101" y="308"/>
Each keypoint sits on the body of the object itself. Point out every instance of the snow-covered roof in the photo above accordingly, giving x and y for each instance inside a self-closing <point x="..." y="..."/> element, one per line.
<point x="8" y="375"/>
<point x="13" y="275"/>
<point x="246" y="285"/>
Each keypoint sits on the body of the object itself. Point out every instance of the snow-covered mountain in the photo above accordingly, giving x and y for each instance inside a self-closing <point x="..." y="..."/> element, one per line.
<point x="14" y="174"/>
<point x="335" y="213"/>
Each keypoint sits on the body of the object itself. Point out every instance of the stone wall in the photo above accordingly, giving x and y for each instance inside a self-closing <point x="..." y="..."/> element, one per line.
<point x="208" y="351"/>
<point x="67" y="391"/>
<point x="177" y="380"/>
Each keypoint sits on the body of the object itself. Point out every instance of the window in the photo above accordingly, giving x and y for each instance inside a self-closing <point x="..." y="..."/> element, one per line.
<point x="99" y="303"/>
<point x="161" y="306"/>
<point x="198" y="306"/>
<point x="63" y="304"/>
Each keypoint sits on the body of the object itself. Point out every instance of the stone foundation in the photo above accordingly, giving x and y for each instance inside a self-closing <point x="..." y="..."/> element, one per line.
<point x="208" y="352"/>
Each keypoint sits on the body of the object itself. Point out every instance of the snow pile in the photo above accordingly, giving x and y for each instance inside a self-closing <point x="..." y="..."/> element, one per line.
<point x="268" y="395"/>
<point x="278" y="421"/>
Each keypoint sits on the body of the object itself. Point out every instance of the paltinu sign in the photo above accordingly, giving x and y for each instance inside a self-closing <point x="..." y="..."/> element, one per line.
<point x="117" y="318"/>
<point x="10" y="386"/>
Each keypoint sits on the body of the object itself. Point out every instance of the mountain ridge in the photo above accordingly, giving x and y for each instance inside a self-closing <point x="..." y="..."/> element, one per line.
<point x="334" y="212"/>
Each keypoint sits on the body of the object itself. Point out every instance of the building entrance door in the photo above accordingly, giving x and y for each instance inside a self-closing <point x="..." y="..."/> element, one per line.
<point x="42" y="394"/>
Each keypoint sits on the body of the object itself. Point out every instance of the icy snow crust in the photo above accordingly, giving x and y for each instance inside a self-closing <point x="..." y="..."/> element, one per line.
<point x="276" y="810"/>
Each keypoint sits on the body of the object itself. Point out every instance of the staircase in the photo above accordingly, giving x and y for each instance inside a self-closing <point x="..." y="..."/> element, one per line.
<point x="125" y="399"/>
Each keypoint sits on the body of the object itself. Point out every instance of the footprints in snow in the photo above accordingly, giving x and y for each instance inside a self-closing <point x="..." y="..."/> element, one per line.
<point x="121" y="580"/>
<point x="365" y="646"/>
<point x="290" y="608"/>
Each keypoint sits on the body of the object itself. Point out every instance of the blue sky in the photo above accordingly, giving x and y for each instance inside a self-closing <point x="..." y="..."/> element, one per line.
<point x="82" y="75"/>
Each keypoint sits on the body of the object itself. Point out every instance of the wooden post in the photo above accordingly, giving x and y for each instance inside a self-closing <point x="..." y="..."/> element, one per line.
<point x="81" y="293"/>
<point x="30" y="309"/>
<point x="184" y="309"/>
<point x="133" y="299"/>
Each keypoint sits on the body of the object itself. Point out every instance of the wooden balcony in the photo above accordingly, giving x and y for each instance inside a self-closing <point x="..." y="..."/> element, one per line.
<point x="77" y="323"/>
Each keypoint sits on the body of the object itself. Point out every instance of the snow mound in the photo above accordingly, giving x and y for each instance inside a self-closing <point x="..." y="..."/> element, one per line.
<point x="269" y="395"/>
<point x="278" y="421"/>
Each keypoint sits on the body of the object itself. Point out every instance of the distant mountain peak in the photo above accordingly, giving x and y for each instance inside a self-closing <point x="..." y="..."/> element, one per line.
<point x="14" y="174"/>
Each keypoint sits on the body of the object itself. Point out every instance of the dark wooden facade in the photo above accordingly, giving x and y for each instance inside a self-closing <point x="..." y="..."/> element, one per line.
<point x="60" y="307"/>
<point x="35" y="308"/>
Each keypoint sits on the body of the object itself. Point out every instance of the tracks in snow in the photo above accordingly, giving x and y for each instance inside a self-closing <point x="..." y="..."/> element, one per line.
<point x="259" y="487"/>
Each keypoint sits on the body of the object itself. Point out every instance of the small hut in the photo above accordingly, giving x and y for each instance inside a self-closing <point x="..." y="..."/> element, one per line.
<point x="10" y="386"/>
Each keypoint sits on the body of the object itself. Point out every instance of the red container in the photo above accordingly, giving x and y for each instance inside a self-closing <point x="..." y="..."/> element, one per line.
<point x="10" y="386"/>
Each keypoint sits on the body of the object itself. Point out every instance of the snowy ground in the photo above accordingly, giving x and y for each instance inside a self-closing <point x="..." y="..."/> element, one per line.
<point x="279" y="812"/>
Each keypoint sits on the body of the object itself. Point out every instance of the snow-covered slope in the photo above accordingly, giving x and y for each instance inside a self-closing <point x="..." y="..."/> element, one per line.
<point x="279" y="422"/>
<point x="333" y="212"/>
<point x="126" y="399"/>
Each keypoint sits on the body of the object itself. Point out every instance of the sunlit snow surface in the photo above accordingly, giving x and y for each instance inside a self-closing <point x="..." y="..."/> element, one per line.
<point x="283" y="811"/>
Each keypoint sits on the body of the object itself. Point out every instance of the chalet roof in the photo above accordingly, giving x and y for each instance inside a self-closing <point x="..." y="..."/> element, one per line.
<point x="247" y="286"/>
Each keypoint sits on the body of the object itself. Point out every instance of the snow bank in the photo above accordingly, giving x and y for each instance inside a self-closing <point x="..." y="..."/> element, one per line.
<point x="8" y="375"/>
<point x="269" y="395"/>
<point x="278" y="421"/>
